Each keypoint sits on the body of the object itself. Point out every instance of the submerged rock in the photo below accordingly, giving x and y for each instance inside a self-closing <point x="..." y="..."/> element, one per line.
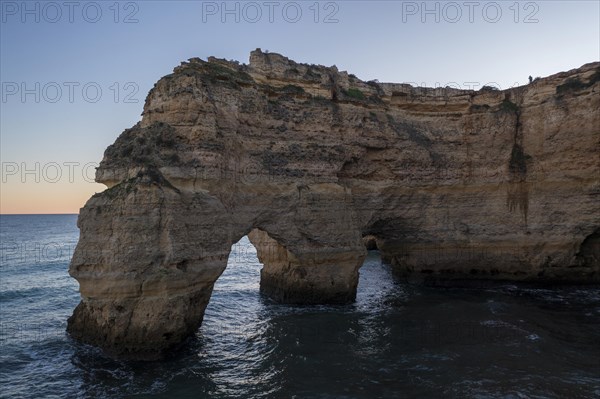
<point x="307" y="160"/>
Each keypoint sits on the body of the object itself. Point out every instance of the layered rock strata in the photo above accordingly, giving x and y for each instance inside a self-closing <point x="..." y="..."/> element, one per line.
<point x="307" y="160"/>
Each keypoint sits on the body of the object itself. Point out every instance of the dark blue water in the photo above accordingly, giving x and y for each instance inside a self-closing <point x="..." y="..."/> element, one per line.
<point x="396" y="341"/>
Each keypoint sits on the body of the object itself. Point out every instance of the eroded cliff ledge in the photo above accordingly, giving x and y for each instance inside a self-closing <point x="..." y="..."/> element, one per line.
<point x="307" y="160"/>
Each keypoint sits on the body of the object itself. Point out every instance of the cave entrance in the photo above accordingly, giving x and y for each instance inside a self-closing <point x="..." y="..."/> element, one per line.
<point x="370" y="242"/>
<point x="377" y="282"/>
<point x="589" y="251"/>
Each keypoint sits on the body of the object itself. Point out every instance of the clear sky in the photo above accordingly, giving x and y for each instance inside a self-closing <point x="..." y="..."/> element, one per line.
<point x="75" y="74"/>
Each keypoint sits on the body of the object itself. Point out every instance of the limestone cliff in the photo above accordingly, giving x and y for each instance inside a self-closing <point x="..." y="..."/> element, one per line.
<point x="448" y="184"/>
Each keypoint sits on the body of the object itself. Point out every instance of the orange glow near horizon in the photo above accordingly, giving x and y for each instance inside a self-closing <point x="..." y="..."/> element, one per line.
<point x="45" y="198"/>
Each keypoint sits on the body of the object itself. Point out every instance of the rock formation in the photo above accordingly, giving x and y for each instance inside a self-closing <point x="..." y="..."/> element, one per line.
<point x="306" y="160"/>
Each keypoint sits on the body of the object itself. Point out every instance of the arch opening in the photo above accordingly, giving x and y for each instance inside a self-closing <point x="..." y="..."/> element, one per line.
<point x="251" y="263"/>
<point x="235" y="300"/>
<point x="254" y="255"/>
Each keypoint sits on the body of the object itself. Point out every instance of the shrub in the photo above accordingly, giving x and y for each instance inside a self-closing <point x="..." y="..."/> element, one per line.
<point x="489" y="88"/>
<point x="509" y="106"/>
<point x="572" y="84"/>
<point x="355" y="93"/>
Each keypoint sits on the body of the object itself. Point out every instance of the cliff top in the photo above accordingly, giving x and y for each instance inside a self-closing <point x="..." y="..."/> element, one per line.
<point x="278" y="70"/>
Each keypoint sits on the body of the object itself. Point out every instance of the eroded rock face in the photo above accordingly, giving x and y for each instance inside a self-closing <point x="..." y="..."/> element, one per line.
<point x="307" y="160"/>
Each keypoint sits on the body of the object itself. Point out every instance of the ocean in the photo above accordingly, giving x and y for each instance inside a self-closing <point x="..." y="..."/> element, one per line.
<point x="396" y="341"/>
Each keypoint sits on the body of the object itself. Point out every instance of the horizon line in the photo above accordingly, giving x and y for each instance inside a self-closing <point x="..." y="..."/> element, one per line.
<point x="33" y="214"/>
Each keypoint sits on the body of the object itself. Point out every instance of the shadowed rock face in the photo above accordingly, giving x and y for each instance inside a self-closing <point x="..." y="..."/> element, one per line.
<point x="306" y="160"/>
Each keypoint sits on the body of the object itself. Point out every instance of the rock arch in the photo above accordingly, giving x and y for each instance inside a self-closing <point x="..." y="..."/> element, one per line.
<point x="144" y="290"/>
<point x="226" y="150"/>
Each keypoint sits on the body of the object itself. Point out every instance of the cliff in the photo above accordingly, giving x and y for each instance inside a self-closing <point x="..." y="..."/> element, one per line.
<point x="450" y="185"/>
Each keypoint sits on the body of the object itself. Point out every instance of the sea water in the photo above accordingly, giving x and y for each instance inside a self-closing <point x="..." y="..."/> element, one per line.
<point x="396" y="341"/>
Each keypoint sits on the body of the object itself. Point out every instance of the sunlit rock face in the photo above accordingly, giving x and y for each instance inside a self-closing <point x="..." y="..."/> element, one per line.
<point x="450" y="185"/>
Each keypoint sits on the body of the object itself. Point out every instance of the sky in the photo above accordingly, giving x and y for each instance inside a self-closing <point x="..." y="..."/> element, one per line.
<point x="74" y="74"/>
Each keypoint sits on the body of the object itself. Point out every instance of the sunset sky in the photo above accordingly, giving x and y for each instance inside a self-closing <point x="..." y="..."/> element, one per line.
<point x="74" y="77"/>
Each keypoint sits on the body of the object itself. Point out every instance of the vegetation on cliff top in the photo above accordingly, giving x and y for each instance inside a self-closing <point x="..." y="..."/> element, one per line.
<point x="216" y="73"/>
<point x="155" y="145"/>
<point x="575" y="84"/>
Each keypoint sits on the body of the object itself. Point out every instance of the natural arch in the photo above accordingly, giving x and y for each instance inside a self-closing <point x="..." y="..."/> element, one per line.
<point x="224" y="149"/>
<point x="145" y="290"/>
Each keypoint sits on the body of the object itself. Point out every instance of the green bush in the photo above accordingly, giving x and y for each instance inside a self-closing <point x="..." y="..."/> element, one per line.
<point x="509" y="106"/>
<point x="489" y="88"/>
<point x="355" y="93"/>
<point x="572" y="84"/>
